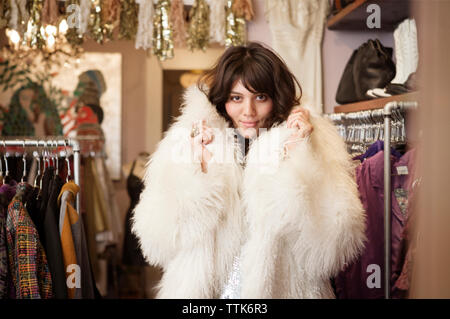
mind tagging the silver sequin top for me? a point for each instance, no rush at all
(232, 289)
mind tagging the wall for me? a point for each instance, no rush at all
(337, 48)
(431, 275)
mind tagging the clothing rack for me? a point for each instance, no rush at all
(383, 120)
(48, 143)
(387, 113)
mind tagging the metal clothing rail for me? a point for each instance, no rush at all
(387, 113)
(48, 143)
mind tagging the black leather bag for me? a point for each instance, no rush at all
(369, 67)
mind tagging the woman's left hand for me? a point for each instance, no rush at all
(299, 119)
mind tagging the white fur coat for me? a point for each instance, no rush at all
(295, 221)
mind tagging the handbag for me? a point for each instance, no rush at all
(370, 66)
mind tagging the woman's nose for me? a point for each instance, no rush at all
(249, 108)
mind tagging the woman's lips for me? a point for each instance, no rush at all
(249, 124)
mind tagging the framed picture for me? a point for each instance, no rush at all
(106, 67)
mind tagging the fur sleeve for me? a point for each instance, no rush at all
(180, 206)
(306, 209)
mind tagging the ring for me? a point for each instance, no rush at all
(195, 131)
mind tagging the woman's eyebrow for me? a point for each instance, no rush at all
(233, 92)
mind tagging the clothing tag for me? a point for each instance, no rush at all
(402, 199)
(402, 170)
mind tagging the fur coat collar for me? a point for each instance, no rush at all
(295, 222)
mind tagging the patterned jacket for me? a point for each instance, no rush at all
(27, 259)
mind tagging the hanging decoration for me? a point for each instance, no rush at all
(128, 19)
(162, 31)
(5, 11)
(243, 9)
(110, 16)
(156, 25)
(34, 36)
(19, 16)
(198, 31)
(111, 13)
(96, 29)
(76, 21)
(103, 19)
(234, 27)
(217, 20)
(145, 24)
(50, 12)
(177, 20)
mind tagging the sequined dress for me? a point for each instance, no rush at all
(232, 289)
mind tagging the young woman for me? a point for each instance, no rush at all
(249, 195)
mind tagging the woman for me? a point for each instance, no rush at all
(273, 219)
(31, 113)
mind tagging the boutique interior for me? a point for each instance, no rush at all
(111, 86)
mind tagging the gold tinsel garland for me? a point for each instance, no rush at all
(162, 31)
(101, 20)
(198, 30)
(234, 27)
(168, 29)
(35, 37)
(128, 19)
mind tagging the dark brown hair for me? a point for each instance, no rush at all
(261, 71)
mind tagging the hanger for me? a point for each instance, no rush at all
(56, 158)
(38, 158)
(7, 178)
(69, 173)
(1, 167)
(24, 160)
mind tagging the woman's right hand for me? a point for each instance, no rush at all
(201, 135)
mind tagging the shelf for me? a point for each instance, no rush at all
(354, 16)
(375, 103)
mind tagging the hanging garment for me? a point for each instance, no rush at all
(41, 202)
(132, 254)
(297, 32)
(112, 208)
(403, 192)
(76, 236)
(7, 192)
(363, 279)
(67, 218)
(52, 239)
(27, 259)
(3, 250)
(375, 148)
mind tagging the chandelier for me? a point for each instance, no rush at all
(46, 45)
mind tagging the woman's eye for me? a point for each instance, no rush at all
(235, 98)
(261, 97)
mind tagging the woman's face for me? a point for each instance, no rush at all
(248, 110)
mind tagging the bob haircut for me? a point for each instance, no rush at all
(261, 71)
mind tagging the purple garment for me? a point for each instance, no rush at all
(351, 283)
(374, 149)
(9, 190)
